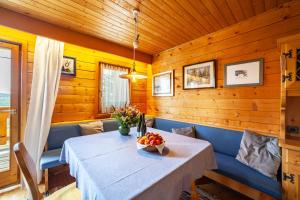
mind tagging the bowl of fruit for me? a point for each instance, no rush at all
(151, 142)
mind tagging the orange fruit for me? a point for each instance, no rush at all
(158, 142)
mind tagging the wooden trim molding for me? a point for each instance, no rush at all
(23, 104)
(98, 78)
(35, 26)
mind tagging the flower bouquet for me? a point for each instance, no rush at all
(126, 117)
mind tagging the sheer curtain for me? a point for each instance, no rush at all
(115, 90)
(48, 60)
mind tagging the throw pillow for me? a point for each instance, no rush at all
(188, 131)
(149, 121)
(262, 153)
(91, 127)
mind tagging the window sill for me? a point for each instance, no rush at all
(102, 115)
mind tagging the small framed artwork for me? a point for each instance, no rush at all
(69, 66)
(199, 75)
(246, 73)
(163, 84)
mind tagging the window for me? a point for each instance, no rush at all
(115, 90)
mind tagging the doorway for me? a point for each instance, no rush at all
(9, 111)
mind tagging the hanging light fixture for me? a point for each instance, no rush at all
(133, 74)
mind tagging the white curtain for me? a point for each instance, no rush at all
(115, 90)
(48, 59)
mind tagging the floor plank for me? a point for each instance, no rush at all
(219, 191)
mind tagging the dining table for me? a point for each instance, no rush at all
(108, 166)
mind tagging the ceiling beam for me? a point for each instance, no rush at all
(38, 27)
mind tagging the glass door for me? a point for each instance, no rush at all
(9, 117)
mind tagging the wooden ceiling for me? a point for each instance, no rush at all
(163, 23)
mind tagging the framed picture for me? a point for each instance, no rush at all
(162, 84)
(199, 75)
(246, 73)
(69, 66)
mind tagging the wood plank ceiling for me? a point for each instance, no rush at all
(163, 23)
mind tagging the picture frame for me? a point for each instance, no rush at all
(163, 84)
(69, 66)
(244, 73)
(199, 75)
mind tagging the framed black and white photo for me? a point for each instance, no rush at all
(69, 66)
(246, 73)
(162, 84)
(199, 75)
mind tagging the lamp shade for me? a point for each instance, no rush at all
(133, 75)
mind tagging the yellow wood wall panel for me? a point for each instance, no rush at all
(237, 108)
(77, 96)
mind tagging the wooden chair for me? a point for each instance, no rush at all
(28, 167)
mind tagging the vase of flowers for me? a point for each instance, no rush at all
(126, 117)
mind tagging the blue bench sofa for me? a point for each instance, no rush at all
(57, 136)
(226, 144)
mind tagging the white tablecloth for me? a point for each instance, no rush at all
(109, 166)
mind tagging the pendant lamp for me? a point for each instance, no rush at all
(133, 74)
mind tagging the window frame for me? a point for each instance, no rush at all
(98, 97)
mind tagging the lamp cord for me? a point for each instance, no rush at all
(136, 39)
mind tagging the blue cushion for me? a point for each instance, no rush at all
(50, 159)
(110, 125)
(59, 133)
(167, 125)
(223, 141)
(230, 167)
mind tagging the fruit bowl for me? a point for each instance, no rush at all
(151, 142)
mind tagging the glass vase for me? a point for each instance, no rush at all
(124, 130)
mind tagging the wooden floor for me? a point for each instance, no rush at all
(218, 191)
(17, 194)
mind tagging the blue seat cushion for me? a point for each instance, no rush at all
(167, 125)
(230, 167)
(59, 133)
(223, 141)
(110, 125)
(50, 159)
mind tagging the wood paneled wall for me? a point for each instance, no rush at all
(238, 108)
(77, 96)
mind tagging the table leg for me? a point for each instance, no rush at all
(46, 181)
(194, 191)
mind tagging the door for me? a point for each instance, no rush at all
(9, 115)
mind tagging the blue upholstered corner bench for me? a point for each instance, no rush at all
(57, 136)
(226, 144)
